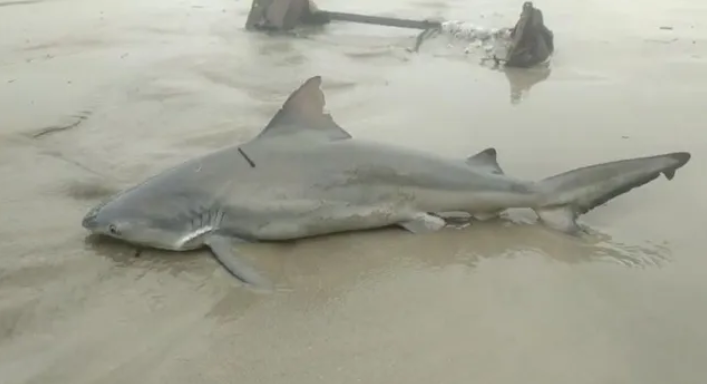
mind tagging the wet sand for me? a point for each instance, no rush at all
(97, 95)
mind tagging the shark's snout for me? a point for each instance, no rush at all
(90, 220)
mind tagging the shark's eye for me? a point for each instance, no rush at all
(113, 229)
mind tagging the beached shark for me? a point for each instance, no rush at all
(304, 175)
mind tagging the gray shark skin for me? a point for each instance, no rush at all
(304, 176)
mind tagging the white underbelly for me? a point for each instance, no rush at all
(350, 210)
(473, 202)
(331, 218)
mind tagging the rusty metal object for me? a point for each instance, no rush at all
(532, 42)
(380, 20)
(286, 14)
(281, 15)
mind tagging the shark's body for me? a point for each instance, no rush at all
(305, 176)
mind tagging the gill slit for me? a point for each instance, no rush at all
(252, 164)
(205, 222)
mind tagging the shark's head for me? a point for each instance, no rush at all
(132, 223)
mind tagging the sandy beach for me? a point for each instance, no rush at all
(97, 95)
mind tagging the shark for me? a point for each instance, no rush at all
(303, 175)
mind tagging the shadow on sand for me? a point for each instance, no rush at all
(366, 252)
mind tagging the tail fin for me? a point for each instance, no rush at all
(570, 194)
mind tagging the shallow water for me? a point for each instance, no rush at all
(97, 95)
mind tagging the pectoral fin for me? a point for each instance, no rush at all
(222, 250)
(423, 222)
(454, 216)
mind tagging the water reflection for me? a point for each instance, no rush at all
(487, 50)
(521, 80)
(340, 262)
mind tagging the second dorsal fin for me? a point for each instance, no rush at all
(303, 113)
(485, 160)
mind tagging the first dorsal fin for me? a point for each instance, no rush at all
(303, 112)
(486, 160)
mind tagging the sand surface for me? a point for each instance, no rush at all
(96, 95)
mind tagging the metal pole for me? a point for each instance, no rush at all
(380, 20)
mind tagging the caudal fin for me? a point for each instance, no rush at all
(568, 195)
